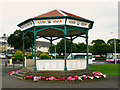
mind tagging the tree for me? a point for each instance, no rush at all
(15, 40)
(99, 47)
(81, 48)
(52, 49)
(60, 46)
(76, 48)
(110, 43)
(98, 41)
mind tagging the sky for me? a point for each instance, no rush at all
(103, 13)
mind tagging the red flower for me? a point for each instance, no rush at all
(76, 78)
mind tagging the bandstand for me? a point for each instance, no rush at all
(52, 26)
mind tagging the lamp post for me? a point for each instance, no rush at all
(114, 50)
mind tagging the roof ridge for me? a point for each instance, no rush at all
(73, 14)
(61, 12)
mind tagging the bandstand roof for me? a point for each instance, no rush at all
(54, 22)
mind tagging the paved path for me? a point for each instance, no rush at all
(11, 82)
(100, 62)
(8, 65)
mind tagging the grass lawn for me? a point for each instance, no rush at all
(109, 69)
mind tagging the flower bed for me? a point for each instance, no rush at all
(95, 75)
(11, 73)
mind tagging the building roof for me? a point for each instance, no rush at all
(42, 44)
(59, 19)
(57, 12)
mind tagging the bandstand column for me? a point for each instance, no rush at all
(71, 47)
(65, 67)
(87, 48)
(32, 46)
(23, 49)
(51, 46)
(35, 49)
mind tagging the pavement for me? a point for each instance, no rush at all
(12, 82)
(100, 62)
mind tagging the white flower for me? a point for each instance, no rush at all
(97, 76)
(91, 77)
(104, 76)
(79, 78)
(84, 75)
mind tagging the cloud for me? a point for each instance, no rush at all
(103, 14)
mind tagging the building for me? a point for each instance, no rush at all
(3, 44)
(42, 46)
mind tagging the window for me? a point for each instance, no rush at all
(79, 57)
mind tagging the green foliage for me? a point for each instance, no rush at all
(2, 51)
(77, 48)
(44, 56)
(13, 58)
(99, 47)
(52, 49)
(21, 67)
(100, 58)
(98, 41)
(110, 43)
(108, 69)
(59, 57)
(60, 46)
(17, 37)
(18, 55)
(29, 56)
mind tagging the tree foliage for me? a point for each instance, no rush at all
(15, 40)
(29, 56)
(99, 47)
(98, 41)
(77, 48)
(110, 43)
(80, 48)
(60, 46)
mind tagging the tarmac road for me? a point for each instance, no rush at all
(11, 82)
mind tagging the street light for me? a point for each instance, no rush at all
(114, 49)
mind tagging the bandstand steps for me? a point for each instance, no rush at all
(18, 77)
(22, 72)
(18, 74)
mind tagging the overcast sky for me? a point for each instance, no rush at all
(104, 15)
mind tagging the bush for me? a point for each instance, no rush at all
(13, 58)
(29, 56)
(100, 58)
(18, 55)
(60, 57)
(44, 56)
(21, 67)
